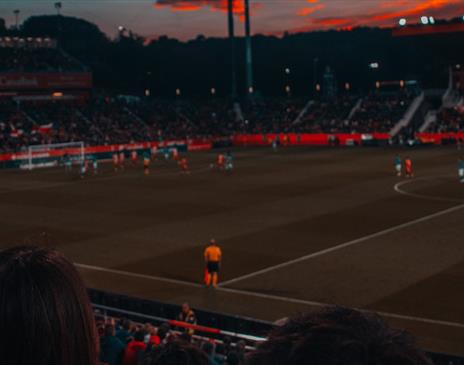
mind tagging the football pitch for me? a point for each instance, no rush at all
(299, 228)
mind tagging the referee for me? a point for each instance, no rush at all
(213, 256)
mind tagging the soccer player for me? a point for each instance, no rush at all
(461, 170)
(134, 157)
(67, 163)
(183, 163)
(175, 154)
(146, 163)
(95, 165)
(408, 167)
(213, 258)
(220, 161)
(115, 161)
(229, 161)
(84, 168)
(398, 165)
(122, 157)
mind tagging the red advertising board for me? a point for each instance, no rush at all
(45, 81)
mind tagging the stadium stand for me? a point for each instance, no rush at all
(448, 120)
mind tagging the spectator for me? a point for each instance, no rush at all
(111, 348)
(135, 349)
(232, 359)
(177, 353)
(338, 336)
(45, 313)
(209, 350)
(187, 315)
(163, 332)
(124, 333)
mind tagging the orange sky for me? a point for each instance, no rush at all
(186, 19)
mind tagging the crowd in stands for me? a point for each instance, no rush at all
(103, 121)
(14, 59)
(47, 319)
(379, 113)
(327, 116)
(449, 120)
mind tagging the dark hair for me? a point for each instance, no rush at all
(338, 336)
(109, 330)
(45, 313)
(163, 330)
(139, 336)
(178, 353)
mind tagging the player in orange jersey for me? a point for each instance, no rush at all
(213, 258)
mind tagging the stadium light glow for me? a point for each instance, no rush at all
(424, 20)
(347, 86)
(318, 87)
(57, 94)
(374, 65)
(147, 92)
(402, 22)
(288, 89)
(178, 92)
(431, 20)
(287, 71)
(213, 91)
(402, 83)
(377, 84)
(251, 90)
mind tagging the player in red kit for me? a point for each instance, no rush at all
(408, 167)
(115, 161)
(134, 157)
(183, 163)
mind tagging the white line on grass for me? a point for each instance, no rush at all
(140, 276)
(398, 189)
(266, 296)
(342, 246)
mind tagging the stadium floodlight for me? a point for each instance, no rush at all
(424, 20)
(402, 22)
(374, 65)
(288, 89)
(431, 20)
(287, 71)
(347, 86)
(213, 91)
(251, 90)
(178, 92)
(147, 92)
(121, 28)
(318, 87)
(16, 13)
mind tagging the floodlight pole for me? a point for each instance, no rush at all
(16, 13)
(249, 54)
(230, 11)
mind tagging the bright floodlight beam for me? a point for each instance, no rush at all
(249, 54)
(230, 13)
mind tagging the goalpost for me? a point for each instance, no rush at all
(55, 154)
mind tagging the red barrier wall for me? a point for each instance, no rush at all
(437, 138)
(45, 81)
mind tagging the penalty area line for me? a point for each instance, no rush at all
(342, 245)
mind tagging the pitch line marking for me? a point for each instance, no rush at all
(267, 296)
(140, 276)
(398, 189)
(343, 245)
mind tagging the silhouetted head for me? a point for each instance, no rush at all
(338, 336)
(45, 313)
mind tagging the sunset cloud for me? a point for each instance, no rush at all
(385, 14)
(196, 5)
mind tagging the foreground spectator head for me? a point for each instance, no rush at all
(338, 337)
(178, 353)
(45, 313)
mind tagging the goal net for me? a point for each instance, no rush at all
(56, 154)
